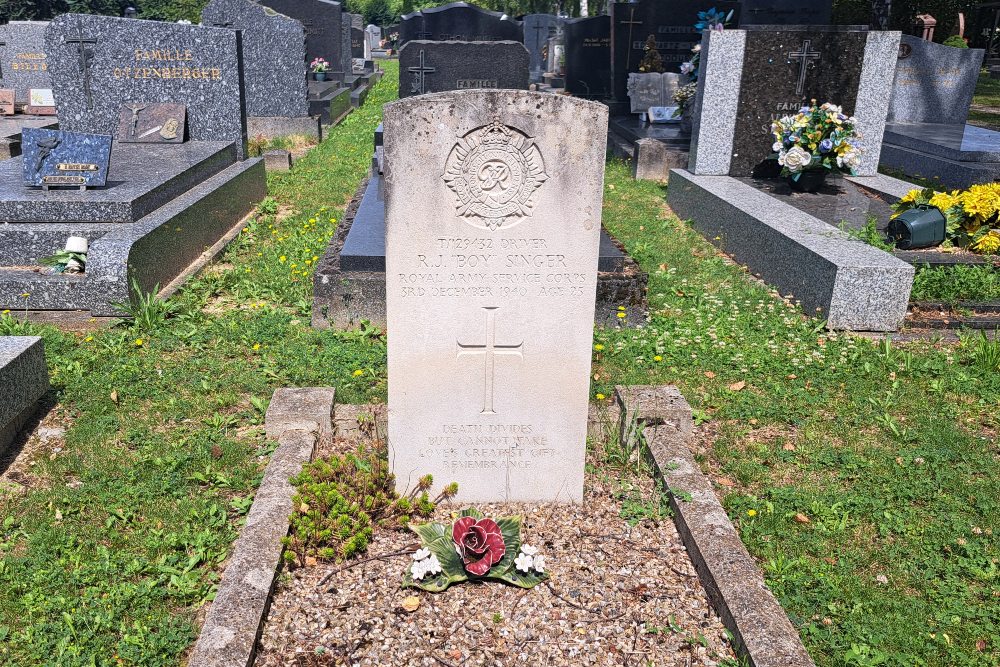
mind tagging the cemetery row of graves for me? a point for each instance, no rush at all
(304, 359)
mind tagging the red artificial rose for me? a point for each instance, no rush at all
(479, 543)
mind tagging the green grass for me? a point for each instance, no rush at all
(987, 94)
(959, 283)
(888, 451)
(107, 558)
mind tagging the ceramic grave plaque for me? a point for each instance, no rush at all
(151, 123)
(41, 102)
(54, 158)
(432, 67)
(6, 101)
(492, 232)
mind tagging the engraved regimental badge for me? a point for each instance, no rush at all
(494, 172)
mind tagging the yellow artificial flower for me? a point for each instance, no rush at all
(943, 200)
(909, 197)
(989, 243)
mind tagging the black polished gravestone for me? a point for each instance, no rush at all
(588, 57)
(786, 12)
(783, 69)
(357, 43)
(672, 25)
(23, 63)
(274, 67)
(99, 64)
(459, 21)
(322, 21)
(434, 67)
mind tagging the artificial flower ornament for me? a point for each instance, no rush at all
(815, 138)
(479, 543)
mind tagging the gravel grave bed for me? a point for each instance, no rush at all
(620, 594)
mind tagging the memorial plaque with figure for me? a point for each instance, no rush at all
(54, 158)
(140, 122)
(492, 232)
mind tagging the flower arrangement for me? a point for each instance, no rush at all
(817, 137)
(473, 547)
(972, 216)
(319, 65)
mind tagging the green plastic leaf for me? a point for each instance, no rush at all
(522, 579)
(471, 511)
(437, 538)
(510, 528)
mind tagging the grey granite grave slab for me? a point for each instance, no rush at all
(24, 379)
(274, 56)
(933, 83)
(10, 132)
(187, 230)
(954, 155)
(851, 284)
(538, 28)
(23, 61)
(323, 22)
(130, 60)
(432, 66)
(719, 82)
(142, 178)
(56, 158)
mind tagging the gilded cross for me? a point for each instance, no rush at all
(490, 349)
(420, 75)
(631, 23)
(803, 56)
(81, 46)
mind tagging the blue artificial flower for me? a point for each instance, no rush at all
(825, 146)
(804, 110)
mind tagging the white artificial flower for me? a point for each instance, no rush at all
(850, 159)
(433, 565)
(524, 562)
(539, 564)
(531, 551)
(421, 554)
(696, 48)
(796, 159)
(777, 147)
(781, 157)
(686, 68)
(418, 569)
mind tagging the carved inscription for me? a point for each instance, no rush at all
(494, 171)
(488, 446)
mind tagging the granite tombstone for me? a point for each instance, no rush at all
(322, 21)
(23, 61)
(751, 77)
(274, 56)
(651, 90)
(933, 83)
(426, 66)
(459, 21)
(492, 231)
(101, 63)
(357, 43)
(588, 57)
(786, 12)
(671, 23)
(54, 158)
(538, 28)
(151, 123)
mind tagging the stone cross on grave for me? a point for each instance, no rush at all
(490, 350)
(631, 23)
(81, 45)
(803, 56)
(419, 75)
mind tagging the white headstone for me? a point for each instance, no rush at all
(492, 233)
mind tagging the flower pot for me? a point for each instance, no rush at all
(808, 181)
(319, 76)
(920, 227)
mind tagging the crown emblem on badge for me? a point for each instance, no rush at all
(494, 171)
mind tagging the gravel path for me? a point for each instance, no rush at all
(619, 595)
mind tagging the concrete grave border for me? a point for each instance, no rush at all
(735, 585)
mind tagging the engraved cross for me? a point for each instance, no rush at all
(81, 45)
(803, 56)
(490, 349)
(421, 72)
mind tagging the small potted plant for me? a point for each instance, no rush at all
(319, 68)
(814, 142)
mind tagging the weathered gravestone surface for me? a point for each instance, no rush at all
(492, 231)
(322, 21)
(99, 64)
(274, 67)
(934, 83)
(786, 12)
(23, 61)
(538, 28)
(764, 74)
(588, 57)
(672, 24)
(55, 158)
(651, 90)
(459, 21)
(432, 67)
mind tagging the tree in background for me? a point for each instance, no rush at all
(379, 12)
